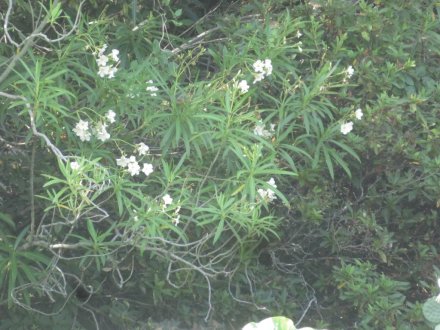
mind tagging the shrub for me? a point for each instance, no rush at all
(155, 159)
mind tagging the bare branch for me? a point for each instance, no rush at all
(30, 40)
(5, 25)
(28, 43)
(54, 149)
(196, 40)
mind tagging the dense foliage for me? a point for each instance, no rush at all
(218, 162)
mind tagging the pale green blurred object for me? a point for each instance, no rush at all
(274, 323)
(431, 310)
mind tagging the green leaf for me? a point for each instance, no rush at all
(329, 163)
(365, 35)
(340, 162)
(55, 12)
(20, 237)
(219, 230)
(92, 230)
(347, 149)
(7, 219)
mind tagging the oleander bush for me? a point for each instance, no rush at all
(174, 164)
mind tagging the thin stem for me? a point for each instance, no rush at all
(31, 183)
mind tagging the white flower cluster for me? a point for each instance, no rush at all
(268, 195)
(262, 69)
(84, 132)
(101, 132)
(348, 127)
(107, 63)
(242, 86)
(74, 166)
(260, 130)
(131, 164)
(358, 114)
(110, 116)
(349, 71)
(151, 89)
(167, 200)
(142, 149)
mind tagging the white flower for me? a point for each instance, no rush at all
(152, 89)
(142, 148)
(110, 116)
(272, 182)
(260, 130)
(107, 65)
(103, 71)
(298, 34)
(268, 194)
(258, 66)
(167, 200)
(123, 161)
(258, 77)
(262, 69)
(147, 169)
(176, 220)
(101, 132)
(111, 71)
(130, 163)
(268, 67)
(346, 127)
(262, 193)
(82, 130)
(114, 55)
(74, 166)
(135, 218)
(102, 60)
(133, 168)
(349, 71)
(243, 86)
(82, 125)
(102, 50)
(271, 195)
(359, 114)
